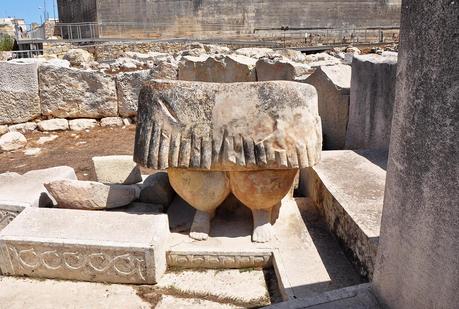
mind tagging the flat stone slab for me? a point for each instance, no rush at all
(82, 245)
(245, 288)
(119, 169)
(348, 189)
(295, 253)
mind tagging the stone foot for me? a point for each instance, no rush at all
(201, 225)
(262, 228)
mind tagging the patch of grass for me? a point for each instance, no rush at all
(6, 43)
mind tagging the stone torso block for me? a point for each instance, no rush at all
(85, 245)
(235, 126)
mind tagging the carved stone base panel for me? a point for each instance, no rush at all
(112, 247)
(261, 259)
(6, 216)
(77, 262)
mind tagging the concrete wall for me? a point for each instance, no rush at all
(187, 17)
(418, 264)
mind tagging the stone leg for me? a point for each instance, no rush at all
(260, 191)
(203, 190)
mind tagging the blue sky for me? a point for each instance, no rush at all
(27, 9)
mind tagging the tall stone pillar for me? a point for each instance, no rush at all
(418, 258)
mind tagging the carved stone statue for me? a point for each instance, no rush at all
(246, 138)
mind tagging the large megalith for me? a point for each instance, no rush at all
(372, 101)
(418, 264)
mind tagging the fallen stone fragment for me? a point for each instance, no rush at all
(28, 189)
(290, 54)
(116, 170)
(127, 121)
(53, 125)
(77, 57)
(111, 122)
(32, 151)
(156, 189)
(23, 127)
(82, 124)
(19, 100)
(45, 139)
(12, 141)
(91, 195)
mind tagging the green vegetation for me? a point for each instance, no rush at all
(6, 43)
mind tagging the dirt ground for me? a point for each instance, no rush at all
(71, 148)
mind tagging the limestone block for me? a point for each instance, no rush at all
(73, 93)
(281, 69)
(156, 189)
(111, 122)
(273, 125)
(85, 246)
(128, 88)
(20, 191)
(19, 100)
(321, 59)
(23, 127)
(371, 102)
(77, 57)
(290, 54)
(12, 141)
(333, 85)
(53, 125)
(91, 195)
(352, 213)
(82, 124)
(116, 170)
(228, 69)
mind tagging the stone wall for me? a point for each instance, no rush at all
(157, 18)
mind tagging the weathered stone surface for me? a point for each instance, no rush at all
(3, 129)
(12, 141)
(116, 170)
(321, 59)
(333, 85)
(82, 124)
(281, 69)
(23, 127)
(91, 195)
(128, 87)
(85, 245)
(418, 263)
(255, 52)
(19, 100)
(53, 125)
(156, 189)
(28, 190)
(228, 126)
(290, 54)
(77, 57)
(41, 293)
(371, 101)
(228, 69)
(247, 289)
(352, 213)
(73, 93)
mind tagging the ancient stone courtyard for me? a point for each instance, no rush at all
(195, 174)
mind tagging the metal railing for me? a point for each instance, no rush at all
(93, 31)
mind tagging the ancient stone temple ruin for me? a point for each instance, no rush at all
(186, 174)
